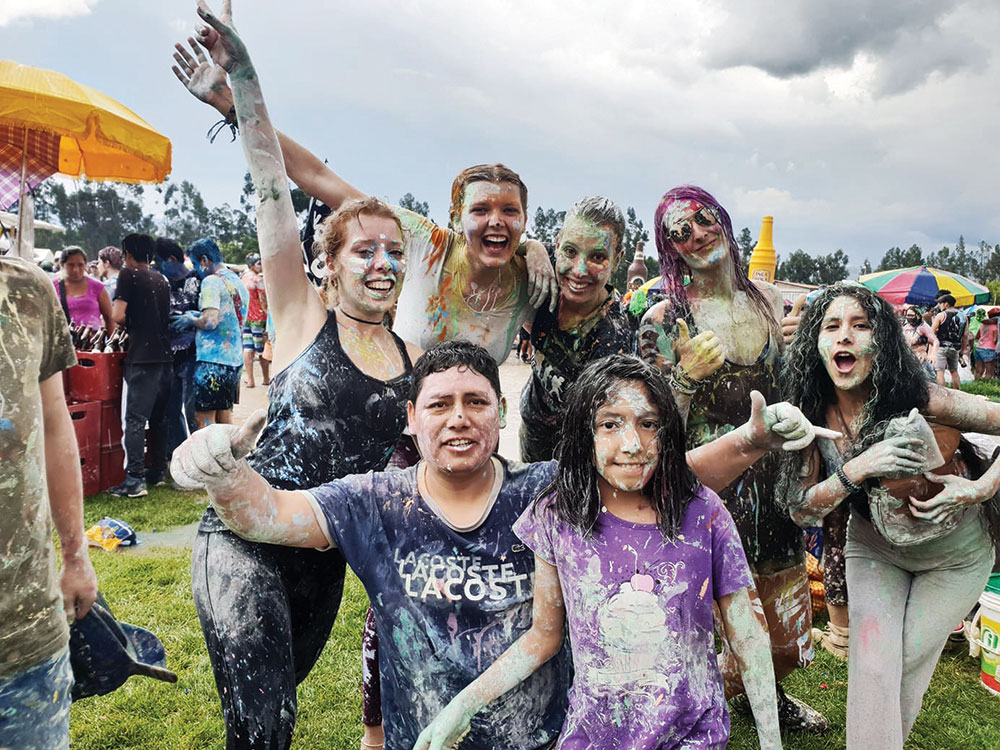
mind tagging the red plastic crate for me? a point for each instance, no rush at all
(112, 466)
(96, 377)
(111, 424)
(86, 419)
(90, 469)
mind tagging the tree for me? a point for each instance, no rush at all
(830, 268)
(800, 268)
(896, 258)
(412, 204)
(746, 243)
(866, 267)
(634, 234)
(95, 215)
(546, 225)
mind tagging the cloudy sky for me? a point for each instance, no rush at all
(859, 125)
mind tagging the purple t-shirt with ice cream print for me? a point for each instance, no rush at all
(640, 619)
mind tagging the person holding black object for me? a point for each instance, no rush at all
(142, 305)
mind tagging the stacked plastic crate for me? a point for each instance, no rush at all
(93, 396)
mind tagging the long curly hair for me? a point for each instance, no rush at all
(577, 497)
(897, 381)
(674, 269)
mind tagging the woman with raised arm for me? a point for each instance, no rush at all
(475, 281)
(920, 545)
(337, 407)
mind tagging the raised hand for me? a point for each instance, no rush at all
(781, 425)
(206, 81)
(790, 323)
(220, 38)
(211, 457)
(699, 356)
(542, 282)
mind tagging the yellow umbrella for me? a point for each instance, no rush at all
(54, 124)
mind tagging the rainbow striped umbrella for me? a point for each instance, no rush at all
(918, 285)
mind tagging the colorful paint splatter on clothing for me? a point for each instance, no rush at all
(639, 610)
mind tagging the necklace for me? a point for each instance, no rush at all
(359, 320)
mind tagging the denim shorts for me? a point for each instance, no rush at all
(34, 705)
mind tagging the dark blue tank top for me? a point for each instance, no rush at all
(327, 418)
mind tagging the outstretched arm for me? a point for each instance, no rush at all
(516, 664)
(208, 82)
(214, 458)
(298, 314)
(778, 426)
(743, 618)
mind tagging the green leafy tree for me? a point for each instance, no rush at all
(831, 268)
(95, 214)
(746, 242)
(866, 267)
(800, 268)
(896, 258)
(412, 204)
(546, 225)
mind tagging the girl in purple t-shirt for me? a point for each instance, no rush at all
(632, 553)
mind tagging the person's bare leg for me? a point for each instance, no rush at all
(204, 418)
(248, 367)
(955, 382)
(939, 377)
(990, 370)
(223, 416)
(265, 371)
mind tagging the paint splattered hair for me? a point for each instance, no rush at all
(482, 173)
(577, 498)
(206, 247)
(602, 212)
(332, 232)
(674, 269)
(447, 354)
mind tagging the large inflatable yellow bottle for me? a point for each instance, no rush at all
(763, 261)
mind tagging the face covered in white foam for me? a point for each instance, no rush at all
(846, 343)
(626, 437)
(369, 267)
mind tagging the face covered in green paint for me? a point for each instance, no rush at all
(626, 438)
(695, 233)
(584, 260)
(845, 343)
(492, 222)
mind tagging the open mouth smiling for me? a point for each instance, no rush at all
(495, 242)
(844, 362)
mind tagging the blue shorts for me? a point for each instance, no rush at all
(984, 355)
(254, 335)
(216, 387)
(34, 705)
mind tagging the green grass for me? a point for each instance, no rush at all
(989, 388)
(159, 510)
(153, 590)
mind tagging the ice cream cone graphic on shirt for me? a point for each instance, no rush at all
(633, 629)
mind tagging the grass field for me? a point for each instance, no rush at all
(151, 587)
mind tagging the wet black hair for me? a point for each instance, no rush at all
(577, 498)
(139, 246)
(447, 354)
(167, 248)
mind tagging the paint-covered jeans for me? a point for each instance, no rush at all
(834, 540)
(904, 602)
(34, 706)
(784, 594)
(266, 612)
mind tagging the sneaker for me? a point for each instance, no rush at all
(131, 487)
(155, 478)
(797, 716)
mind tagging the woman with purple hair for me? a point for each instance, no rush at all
(735, 350)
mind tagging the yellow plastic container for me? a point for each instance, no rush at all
(763, 260)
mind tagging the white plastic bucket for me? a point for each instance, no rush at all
(989, 624)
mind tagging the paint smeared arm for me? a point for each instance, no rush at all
(743, 619)
(77, 579)
(778, 426)
(296, 310)
(542, 282)
(516, 664)
(214, 458)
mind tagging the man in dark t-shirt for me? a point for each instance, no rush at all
(142, 305)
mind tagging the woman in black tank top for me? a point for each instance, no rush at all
(337, 406)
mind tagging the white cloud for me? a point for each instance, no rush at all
(19, 10)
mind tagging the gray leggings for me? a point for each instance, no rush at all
(904, 602)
